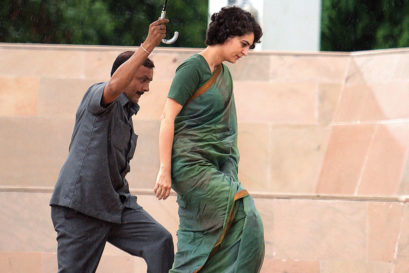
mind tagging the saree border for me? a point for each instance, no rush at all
(239, 195)
(205, 86)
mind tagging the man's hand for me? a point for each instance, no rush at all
(157, 31)
(163, 185)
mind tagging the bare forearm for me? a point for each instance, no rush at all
(123, 75)
(163, 180)
(165, 144)
(167, 129)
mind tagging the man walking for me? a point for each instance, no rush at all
(91, 203)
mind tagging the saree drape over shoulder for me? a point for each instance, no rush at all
(220, 229)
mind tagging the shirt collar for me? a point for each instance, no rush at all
(128, 105)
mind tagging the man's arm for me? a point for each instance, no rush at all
(123, 75)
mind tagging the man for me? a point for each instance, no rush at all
(91, 203)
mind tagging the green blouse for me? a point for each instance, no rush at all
(190, 75)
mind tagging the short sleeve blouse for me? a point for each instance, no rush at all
(190, 75)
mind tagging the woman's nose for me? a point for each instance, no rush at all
(245, 51)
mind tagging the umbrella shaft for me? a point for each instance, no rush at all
(164, 5)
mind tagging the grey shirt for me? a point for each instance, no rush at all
(92, 180)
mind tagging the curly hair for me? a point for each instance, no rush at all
(231, 22)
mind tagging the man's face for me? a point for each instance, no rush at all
(139, 84)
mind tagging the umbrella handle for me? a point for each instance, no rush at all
(175, 35)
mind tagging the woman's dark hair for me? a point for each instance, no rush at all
(231, 22)
(123, 57)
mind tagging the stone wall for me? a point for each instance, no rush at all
(323, 137)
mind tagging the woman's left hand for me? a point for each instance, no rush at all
(163, 185)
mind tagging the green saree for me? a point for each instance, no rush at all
(220, 229)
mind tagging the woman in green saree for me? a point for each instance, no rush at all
(220, 229)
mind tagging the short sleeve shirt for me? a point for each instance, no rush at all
(92, 180)
(190, 76)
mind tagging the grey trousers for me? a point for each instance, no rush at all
(81, 240)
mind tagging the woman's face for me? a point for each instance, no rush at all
(237, 47)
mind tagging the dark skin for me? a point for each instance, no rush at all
(132, 78)
(139, 84)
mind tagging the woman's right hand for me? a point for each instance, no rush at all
(163, 184)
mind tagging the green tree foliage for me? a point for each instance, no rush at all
(71, 21)
(350, 25)
(133, 18)
(103, 22)
(347, 25)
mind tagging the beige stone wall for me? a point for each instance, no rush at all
(324, 142)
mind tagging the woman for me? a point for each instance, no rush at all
(220, 229)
